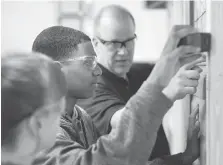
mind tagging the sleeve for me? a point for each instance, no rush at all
(168, 160)
(101, 107)
(129, 143)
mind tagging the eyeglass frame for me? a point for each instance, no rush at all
(123, 43)
(82, 58)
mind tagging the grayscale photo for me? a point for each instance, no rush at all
(107, 82)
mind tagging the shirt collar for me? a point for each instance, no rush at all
(111, 76)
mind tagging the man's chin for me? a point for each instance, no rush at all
(83, 94)
(121, 71)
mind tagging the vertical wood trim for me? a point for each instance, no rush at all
(215, 88)
(179, 13)
(191, 8)
(203, 25)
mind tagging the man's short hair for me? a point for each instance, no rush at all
(58, 42)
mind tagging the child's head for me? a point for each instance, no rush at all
(33, 93)
(74, 51)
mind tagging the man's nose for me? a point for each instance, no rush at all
(122, 50)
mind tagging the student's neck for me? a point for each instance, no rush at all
(70, 103)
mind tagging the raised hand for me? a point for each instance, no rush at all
(185, 81)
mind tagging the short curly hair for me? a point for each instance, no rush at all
(58, 42)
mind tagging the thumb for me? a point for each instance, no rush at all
(194, 63)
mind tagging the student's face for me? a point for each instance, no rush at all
(114, 56)
(82, 71)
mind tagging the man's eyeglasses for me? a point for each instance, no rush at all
(113, 45)
(88, 61)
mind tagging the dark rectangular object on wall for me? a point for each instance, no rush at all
(155, 4)
(202, 40)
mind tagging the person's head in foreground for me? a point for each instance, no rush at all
(33, 91)
(74, 51)
(114, 39)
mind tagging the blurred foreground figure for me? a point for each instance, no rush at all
(32, 87)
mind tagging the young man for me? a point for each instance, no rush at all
(130, 141)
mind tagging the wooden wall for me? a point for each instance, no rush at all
(214, 130)
(207, 17)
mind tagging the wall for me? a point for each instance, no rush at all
(202, 23)
(23, 21)
(215, 87)
(208, 17)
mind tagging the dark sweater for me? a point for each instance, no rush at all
(111, 94)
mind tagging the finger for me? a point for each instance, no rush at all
(193, 116)
(197, 128)
(176, 28)
(195, 112)
(186, 31)
(202, 64)
(190, 90)
(197, 117)
(189, 58)
(193, 63)
(190, 83)
(192, 74)
(197, 68)
(199, 135)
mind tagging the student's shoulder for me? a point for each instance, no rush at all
(88, 121)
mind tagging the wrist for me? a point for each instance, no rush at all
(168, 94)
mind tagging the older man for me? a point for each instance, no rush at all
(114, 43)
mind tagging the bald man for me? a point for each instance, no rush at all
(114, 43)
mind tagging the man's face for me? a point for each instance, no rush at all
(114, 44)
(81, 72)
